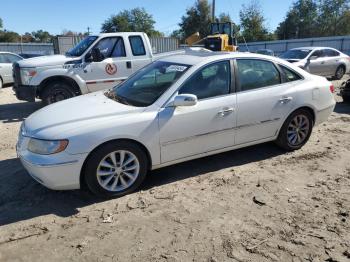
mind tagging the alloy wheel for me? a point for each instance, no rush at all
(298, 130)
(118, 170)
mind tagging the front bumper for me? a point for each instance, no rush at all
(26, 93)
(58, 172)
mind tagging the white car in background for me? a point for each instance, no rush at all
(173, 110)
(6, 61)
(323, 61)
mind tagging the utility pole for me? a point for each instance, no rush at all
(88, 32)
(213, 11)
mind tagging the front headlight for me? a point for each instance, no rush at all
(46, 147)
(27, 74)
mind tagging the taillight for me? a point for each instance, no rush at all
(331, 88)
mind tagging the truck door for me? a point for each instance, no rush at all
(114, 68)
(141, 55)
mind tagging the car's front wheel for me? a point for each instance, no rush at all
(116, 169)
(296, 130)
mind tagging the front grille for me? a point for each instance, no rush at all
(17, 74)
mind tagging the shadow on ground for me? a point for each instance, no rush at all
(22, 198)
(17, 112)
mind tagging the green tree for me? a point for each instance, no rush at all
(252, 22)
(1, 23)
(223, 17)
(333, 17)
(134, 20)
(42, 36)
(300, 21)
(196, 19)
(9, 36)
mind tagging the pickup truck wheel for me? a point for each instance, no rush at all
(56, 91)
(340, 72)
(296, 130)
(115, 169)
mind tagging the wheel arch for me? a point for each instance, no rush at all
(71, 82)
(142, 146)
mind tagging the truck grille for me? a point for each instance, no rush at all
(16, 74)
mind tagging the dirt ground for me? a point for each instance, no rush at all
(253, 204)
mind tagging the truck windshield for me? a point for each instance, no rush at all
(80, 48)
(296, 54)
(147, 85)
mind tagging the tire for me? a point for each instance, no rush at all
(1, 83)
(106, 178)
(286, 139)
(56, 91)
(340, 72)
(346, 98)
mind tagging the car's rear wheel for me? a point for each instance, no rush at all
(1, 83)
(340, 72)
(116, 169)
(56, 91)
(296, 130)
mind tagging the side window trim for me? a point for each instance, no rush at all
(238, 84)
(232, 79)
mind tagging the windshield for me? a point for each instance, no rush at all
(80, 48)
(148, 84)
(296, 54)
(221, 28)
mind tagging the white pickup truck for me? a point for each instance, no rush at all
(96, 63)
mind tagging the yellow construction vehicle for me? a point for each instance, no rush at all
(222, 38)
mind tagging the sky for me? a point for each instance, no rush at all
(76, 15)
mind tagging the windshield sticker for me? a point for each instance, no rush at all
(176, 68)
(111, 69)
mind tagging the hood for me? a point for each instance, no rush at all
(42, 61)
(75, 113)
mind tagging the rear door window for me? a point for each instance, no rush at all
(137, 46)
(331, 53)
(254, 73)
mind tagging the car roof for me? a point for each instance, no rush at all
(312, 48)
(197, 57)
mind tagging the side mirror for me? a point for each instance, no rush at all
(96, 55)
(314, 57)
(185, 100)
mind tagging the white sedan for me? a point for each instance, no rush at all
(173, 110)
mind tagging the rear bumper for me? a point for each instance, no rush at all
(26, 93)
(323, 114)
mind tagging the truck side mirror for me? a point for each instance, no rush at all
(96, 55)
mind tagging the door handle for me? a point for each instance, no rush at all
(128, 64)
(285, 100)
(226, 111)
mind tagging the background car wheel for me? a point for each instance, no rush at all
(340, 72)
(296, 130)
(1, 84)
(116, 169)
(55, 92)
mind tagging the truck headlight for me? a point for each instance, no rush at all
(46, 147)
(27, 74)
